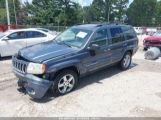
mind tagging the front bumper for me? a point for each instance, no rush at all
(152, 45)
(36, 87)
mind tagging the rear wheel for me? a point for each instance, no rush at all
(65, 82)
(126, 61)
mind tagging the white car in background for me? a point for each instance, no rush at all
(13, 40)
(139, 30)
(47, 31)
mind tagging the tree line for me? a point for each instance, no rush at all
(68, 12)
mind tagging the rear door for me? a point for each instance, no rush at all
(15, 42)
(131, 40)
(116, 44)
(35, 37)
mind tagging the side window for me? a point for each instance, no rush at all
(117, 35)
(17, 35)
(29, 34)
(34, 34)
(38, 34)
(129, 32)
(130, 35)
(100, 37)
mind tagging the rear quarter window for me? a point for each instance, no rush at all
(129, 33)
(38, 34)
(34, 34)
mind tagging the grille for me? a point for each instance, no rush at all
(19, 65)
(153, 42)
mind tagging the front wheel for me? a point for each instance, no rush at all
(126, 61)
(65, 82)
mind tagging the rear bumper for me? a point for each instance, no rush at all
(135, 50)
(36, 87)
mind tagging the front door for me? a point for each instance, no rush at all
(101, 56)
(15, 42)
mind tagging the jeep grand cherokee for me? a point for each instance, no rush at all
(78, 51)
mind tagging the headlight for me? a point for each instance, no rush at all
(35, 68)
(143, 41)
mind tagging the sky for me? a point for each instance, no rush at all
(82, 2)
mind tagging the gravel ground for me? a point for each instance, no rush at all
(107, 93)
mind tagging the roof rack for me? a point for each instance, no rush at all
(106, 23)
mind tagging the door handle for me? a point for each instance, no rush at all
(107, 50)
(125, 44)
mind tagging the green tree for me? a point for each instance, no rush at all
(158, 14)
(53, 12)
(3, 19)
(142, 12)
(106, 10)
(88, 14)
(120, 9)
(71, 12)
(2, 12)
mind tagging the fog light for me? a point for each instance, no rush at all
(43, 76)
(31, 91)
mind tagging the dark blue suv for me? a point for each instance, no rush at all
(78, 51)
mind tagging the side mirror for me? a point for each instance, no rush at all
(5, 39)
(94, 47)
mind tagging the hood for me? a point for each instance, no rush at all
(151, 38)
(45, 51)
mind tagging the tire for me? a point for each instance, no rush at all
(126, 61)
(145, 49)
(62, 85)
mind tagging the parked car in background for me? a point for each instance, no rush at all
(139, 30)
(78, 51)
(153, 41)
(150, 31)
(13, 40)
(48, 31)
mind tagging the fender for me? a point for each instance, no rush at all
(130, 48)
(56, 67)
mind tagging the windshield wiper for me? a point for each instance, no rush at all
(63, 43)
(67, 44)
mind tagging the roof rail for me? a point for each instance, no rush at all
(108, 23)
(99, 24)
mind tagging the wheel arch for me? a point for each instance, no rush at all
(130, 51)
(73, 68)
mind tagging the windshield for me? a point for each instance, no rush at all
(74, 37)
(5, 33)
(157, 33)
(1, 35)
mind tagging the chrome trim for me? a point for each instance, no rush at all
(19, 65)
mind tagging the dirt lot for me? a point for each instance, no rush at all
(107, 93)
